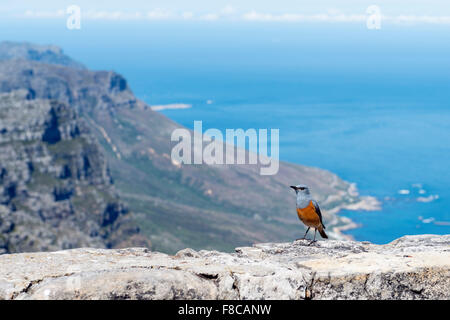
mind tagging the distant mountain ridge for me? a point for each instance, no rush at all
(178, 206)
(40, 53)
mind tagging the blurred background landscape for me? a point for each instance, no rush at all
(85, 160)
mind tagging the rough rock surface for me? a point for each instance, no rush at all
(412, 267)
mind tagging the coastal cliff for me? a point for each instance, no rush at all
(412, 267)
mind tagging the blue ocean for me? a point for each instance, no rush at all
(372, 106)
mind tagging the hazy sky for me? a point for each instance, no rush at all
(396, 6)
(420, 11)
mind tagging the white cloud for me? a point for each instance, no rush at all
(90, 15)
(335, 16)
(210, 17)
(158, 14)
(44, 14)
(111, 15)
(292, 17)
(420, 19)
(187, 15)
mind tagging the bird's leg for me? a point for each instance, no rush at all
(304, 237)
(314, 240)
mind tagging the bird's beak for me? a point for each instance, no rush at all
(294, 187)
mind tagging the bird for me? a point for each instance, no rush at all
(308, 212)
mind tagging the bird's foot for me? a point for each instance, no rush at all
(313, 241)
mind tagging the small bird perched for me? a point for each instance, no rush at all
(308, 211)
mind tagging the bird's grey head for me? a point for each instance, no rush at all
(301, 188)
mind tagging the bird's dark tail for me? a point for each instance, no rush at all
(322, 232)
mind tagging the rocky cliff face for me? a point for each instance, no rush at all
(55, 187)
(412, 267)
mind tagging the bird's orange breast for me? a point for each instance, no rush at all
(309, 216)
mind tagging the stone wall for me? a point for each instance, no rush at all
(412, 267)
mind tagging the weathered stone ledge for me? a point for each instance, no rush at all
(412, 267)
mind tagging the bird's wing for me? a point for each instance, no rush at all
(316, 206)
